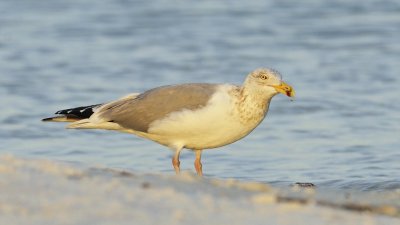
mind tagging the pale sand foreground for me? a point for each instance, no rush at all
(45, 192)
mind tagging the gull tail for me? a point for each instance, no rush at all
(78, 118)
(73, 114)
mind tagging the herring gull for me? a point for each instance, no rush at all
(194, 116)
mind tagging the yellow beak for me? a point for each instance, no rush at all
(285, 89)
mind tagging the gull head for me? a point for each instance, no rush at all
(268, 82)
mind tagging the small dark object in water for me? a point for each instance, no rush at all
(125, 174)
(145, 185)
(304, 185)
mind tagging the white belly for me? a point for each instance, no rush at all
(201, 133)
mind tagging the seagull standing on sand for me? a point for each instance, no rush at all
(195, 116)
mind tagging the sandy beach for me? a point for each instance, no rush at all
(47, 192)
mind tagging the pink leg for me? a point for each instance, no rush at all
(197, 163)
(175, 162)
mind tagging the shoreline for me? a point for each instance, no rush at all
(43, 191)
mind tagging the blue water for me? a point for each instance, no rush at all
(342, 57)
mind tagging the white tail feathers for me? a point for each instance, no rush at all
(81, 124)
(87, 124)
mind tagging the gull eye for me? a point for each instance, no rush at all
(264, 77)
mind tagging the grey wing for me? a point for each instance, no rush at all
(139, 112)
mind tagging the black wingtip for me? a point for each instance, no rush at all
(72, 114)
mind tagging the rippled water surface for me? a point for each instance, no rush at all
(342, 57)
